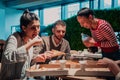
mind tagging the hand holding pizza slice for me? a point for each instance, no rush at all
(54, 53)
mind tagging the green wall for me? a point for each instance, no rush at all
(74, 30)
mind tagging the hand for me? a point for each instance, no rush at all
(40, 58)
(49, 54)
(114, 68)
(36, 41)
(105, 61)
(89, 42)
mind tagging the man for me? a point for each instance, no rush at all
(103, 35)
(56, 41)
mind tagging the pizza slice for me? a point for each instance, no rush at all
(57, 53)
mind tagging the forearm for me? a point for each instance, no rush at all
(114, 68)
(12, 53)
(109, 39)
(112, 65)
(28, 45)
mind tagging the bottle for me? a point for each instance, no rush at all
(84, 36)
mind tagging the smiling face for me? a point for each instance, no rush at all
(32, 29)
(85, 22)
(59, 31)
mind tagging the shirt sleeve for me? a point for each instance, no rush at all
(67, 51)
(68, 48)
(12, 53)
(108, 34)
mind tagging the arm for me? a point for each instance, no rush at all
(108, 37)
(118, 62)
(111, 65)
(67, 51)
(13, 53)
(89, 42)
(108, 34)
(66, 47)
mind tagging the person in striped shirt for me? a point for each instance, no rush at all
(103, 35)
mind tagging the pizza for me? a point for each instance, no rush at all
(57, 53)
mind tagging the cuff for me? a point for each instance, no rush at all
(97, 44)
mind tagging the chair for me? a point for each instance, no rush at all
(2, 43)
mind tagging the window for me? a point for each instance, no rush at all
(95, 4)
(51, 15)
(36, 12)
(85, 4)
(107, 3)
(118, 37)
(118, 2)
(73, 9)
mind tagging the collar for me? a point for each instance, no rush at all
(55, 42)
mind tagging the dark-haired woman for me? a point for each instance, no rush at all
(18, 52)
(103, 35)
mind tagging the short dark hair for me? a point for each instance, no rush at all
(85, 12)
(59, 22)
(27, 17)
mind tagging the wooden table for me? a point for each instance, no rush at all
(91, 70)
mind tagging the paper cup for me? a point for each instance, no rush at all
(62, 64)
(82, 64)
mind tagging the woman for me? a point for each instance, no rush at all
(18, 52)
(103, 35)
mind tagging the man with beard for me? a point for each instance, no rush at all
(56, 41)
